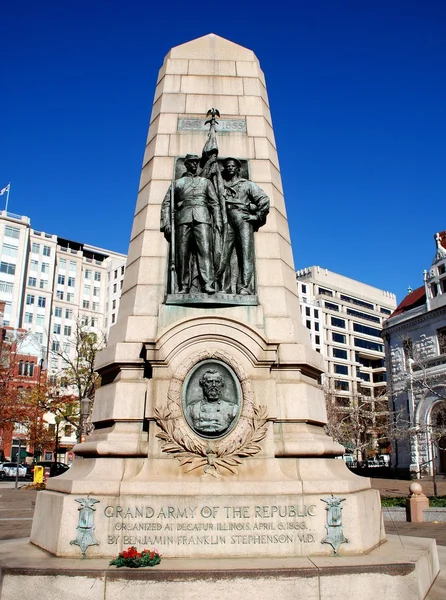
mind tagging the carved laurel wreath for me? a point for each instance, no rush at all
(213, 456)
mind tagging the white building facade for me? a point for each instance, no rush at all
(345, 317)
(49, 284)
(415, 340)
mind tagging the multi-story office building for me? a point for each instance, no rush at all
(49, 284)
(345, 319)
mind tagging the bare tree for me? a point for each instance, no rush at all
(76, 381)
(359, 422)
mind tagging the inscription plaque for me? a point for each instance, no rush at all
(223, 125)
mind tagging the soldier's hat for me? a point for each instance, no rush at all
(190, 157)
(236, 160)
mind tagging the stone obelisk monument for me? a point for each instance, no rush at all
(209, 433)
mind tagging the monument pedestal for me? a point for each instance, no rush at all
(400, 568)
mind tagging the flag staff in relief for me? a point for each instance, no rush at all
(5, 190)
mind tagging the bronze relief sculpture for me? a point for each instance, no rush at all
(209, 216)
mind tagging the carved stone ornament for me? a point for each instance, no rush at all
(198, 435)
(85, 526)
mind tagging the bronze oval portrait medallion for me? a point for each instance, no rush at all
(211, 399)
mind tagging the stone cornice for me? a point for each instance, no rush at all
(427, 316)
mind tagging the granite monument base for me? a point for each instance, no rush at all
(277, 508)
(400, 568)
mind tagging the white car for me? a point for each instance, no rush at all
(10, 470)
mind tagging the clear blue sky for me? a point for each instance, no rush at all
(358, 97)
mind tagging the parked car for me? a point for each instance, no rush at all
(10, 470)
(56, 468)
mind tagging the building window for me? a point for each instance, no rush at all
(96, 306)
(114, 288)
(67, 330)
(71, 282)
(29, 299)
(12, 232)
(339, 353)
(303, 287)
(43, 284)
(59, 295)
(316, 326)
(9, 250)
(96, 291)
(26, 368)
(332, 306)
(336, 322)
(116, 274)
(363, 376)
(385, 311)
(357, 302)
(58, 311)
(32, 281)
(70, 297)
(123, 269)
(55, 346)
(114, 305)
(61, 279)
(35, 248)
(62, 263)
(367, 330)
(45, 267)
(73, 265)
(316, 313)
(6, 286)
(68, 313)
(434, 290)
(338, 337)
(342, 385)
(94, 322)
(361, 315)
(85, 304)
(87, 273)
(56, 328)
(308, 324)
(441, 336)
(7, 268)
(40, 320)
(97, 276)
(113, 317)
(41, 301)
(28, 317)
(308, 311)
(341, 369)
(359, 343)
(325, 292)
(317, 339)
(46, 251)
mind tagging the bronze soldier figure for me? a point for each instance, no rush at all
(196, 212)
(246, 206)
